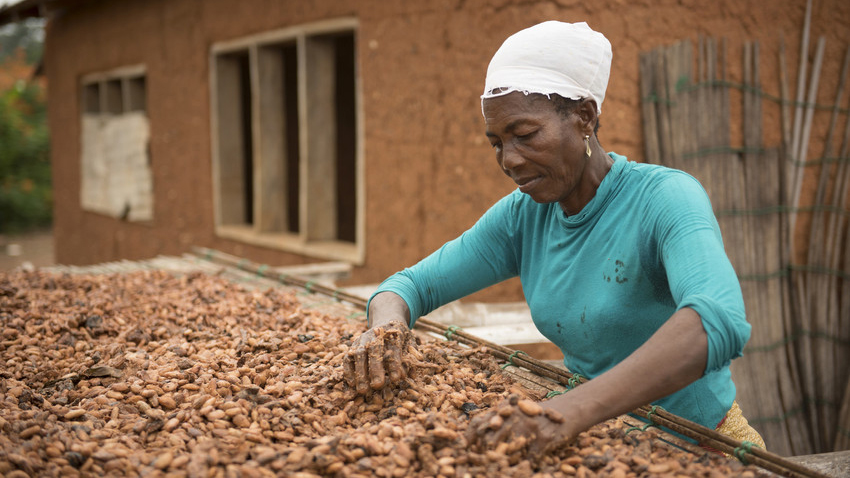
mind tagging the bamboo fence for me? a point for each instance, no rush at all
(793, 379)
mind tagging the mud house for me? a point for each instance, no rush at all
(297, 132)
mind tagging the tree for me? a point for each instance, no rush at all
(25, 186)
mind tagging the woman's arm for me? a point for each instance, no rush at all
(387, 307)
(671, 359)
(480, 257)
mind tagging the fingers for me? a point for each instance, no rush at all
(376, 359)
(393, 355)
(349, 373)
(478, 427)
(361, 370)
(490, 428)
(377, 378)
(516, 424)
(503, 430)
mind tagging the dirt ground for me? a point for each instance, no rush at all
(28, 249)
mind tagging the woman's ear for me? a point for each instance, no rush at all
(587, 112)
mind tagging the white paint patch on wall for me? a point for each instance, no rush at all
(116, 173)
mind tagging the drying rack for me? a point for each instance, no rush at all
(539, 376)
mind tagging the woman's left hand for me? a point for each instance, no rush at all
(522, 423)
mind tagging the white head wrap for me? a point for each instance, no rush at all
(568, 59)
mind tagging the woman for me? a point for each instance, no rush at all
(622, 264)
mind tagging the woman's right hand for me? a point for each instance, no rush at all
(374, 360)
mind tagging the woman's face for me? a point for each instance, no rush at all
(542, 150)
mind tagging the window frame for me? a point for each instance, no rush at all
(118, 94)
(311, 238)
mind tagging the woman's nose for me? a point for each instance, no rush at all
(510, 158)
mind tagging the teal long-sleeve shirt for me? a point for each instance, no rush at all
(601, 282)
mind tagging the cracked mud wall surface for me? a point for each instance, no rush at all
(430, 172)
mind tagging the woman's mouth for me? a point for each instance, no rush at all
(526, 184)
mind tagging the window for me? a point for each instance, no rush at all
(116, 177)
(286, 141)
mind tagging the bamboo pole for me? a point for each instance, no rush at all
(802, 154)
(771, 370)
(757, 227)
(831, 356)
(705, 123)
(819, 410)
(745, 371)
(793, 300)
(798, 115)
(842, 435)
(817, 281)
(683, 52)
(662, 89)
(649, 108)
(785, 108)
(756, 400)
(801, 281)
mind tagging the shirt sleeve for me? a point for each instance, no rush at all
(699, 272)
(482, 256)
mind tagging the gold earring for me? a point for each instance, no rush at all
(587, 144)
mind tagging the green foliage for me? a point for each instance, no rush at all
(25, 187)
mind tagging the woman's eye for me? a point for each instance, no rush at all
(526, 136)
(496, 146)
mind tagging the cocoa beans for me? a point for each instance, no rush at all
(154, 374)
